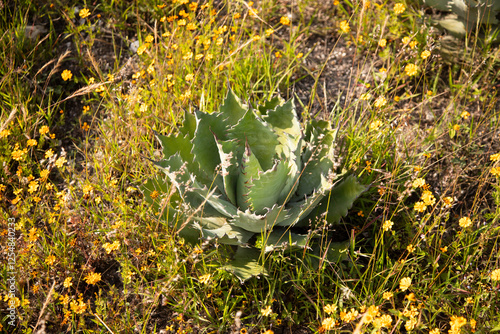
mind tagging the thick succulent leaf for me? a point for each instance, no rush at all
(265, 189)
(297, 211)
(282, 238)
(259, 223)
(286, 125)
(232, 109)
(317, 158)
(230, 153)
(249, 169)
(259, 136)
(204, 145)
(342, 196)
(189, 125)
(283, 120)
(224, 233)
(270, 105)
(246, 264)
(180, 144)
(176, 170)
(211, 197)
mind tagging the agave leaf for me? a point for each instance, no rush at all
(217, 228)
(297, 211)
(204, 145)
(259, 223)
(246, 264)
(222, 206)
(259, 136)
(265, 189)
(284, 121)
(249, 169)
(179, 144)
(230, 153)
(232, 109)
(269, 105)
(283, 238)
(176, 170)
(342, 196)
(318, 158)
(189, 125)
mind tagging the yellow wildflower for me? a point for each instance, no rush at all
(399, 8)
(84, 13)
(418, 183)
(92, 278)
(405, 283)
(67, 282)
(284, 20)
(348, 316)
(387, 225)
(425, 54)
(31, 142)
(142, 48)
(44, 130)
(330, 308)
(387, 295)
(60, 162)
(495, 171)
(49, 153)
(328, 324)
(465, 222)
(267, 311)
(382, 43)
(382, 321)
(344, 26)
(66, 75)
(495, 157)
(50, 260)
(411, 69)
(380, 102)
(428, 198)
(495, 275)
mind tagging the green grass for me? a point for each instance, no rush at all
(87, 215)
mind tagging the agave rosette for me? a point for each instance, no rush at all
(249, 177)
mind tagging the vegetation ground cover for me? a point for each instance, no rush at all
(84, 86)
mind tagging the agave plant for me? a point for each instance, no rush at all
(250, 178)
(466, 15)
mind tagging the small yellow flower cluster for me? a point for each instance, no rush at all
(344, 27)
(349, 316)
(411, 69)
(110, 247)
(465, 222)
(66, 75)
(92, 278)
(405, 283)
(284, 20)
(79, 306)
(399, 8)
(456, 323)
(205, 279)
(328, 324)
(495, 275)
(387, 225)
(84, 13)
(380, 102)
(425, 54)
(266, 311)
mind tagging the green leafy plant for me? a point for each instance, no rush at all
(252, 178)
(467, 15)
